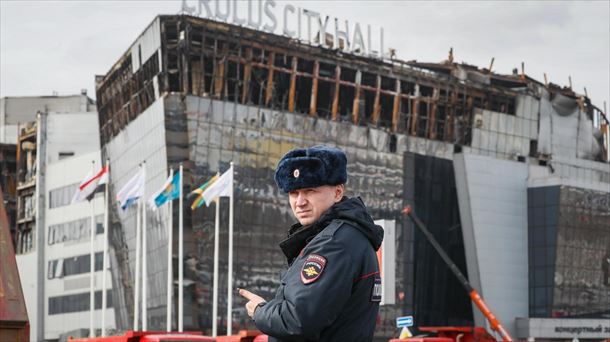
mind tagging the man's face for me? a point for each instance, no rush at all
(310, 203)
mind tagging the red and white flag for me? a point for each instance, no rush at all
(90, 184)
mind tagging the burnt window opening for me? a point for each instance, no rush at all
(404, 116)
(388, 83)
(425, 91)
(234, 84)
(348, 74)
(171, 32)
(266, 56)
(234, 46)
(369, 79)
(326, 91)
(366, 109)
(407, 87)
(478, 102)
(327, 70)
(302, 94)
(258, 81)
(512, 104)
(282, 61)
(462, 126)
(441, 120)
(422, 119)
(139, 55)
(257, 55)
(197, 36)
(386, 104)
(443, 95)
(173, 74)
(209, 42)
(346, 101)
(281, 90)
(305, 66)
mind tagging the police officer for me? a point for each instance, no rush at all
(332, 288)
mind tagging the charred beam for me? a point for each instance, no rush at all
(376, 107)
(356, 106)
(396, 107)
(314, 89)
(247, 76)
(335, 108)
(269, 88)
(293, 85)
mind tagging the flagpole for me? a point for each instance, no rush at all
(230, 271)
(215, 286)
(144, 258)
(168, 321)
(137, 272)
(91, 264)
(180, 259)
(105, 251)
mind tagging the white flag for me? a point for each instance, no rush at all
(132, 190)
(221, 187)
(90, 184)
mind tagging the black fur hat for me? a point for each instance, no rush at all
(310, 168)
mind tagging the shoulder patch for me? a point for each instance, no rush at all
(312, 268)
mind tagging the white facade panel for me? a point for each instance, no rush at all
(492, 196)
(75, 133)
(60, 174)
(146, 45)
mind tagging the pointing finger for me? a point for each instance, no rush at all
(247, 294)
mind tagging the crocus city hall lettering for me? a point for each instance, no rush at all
(298, 23)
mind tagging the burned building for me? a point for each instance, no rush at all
(438, 136)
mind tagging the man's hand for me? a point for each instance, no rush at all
(253, 301)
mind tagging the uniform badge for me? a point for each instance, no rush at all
(296, 173)
(376, 295)
(312, 268)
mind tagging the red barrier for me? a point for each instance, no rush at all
(424, 339)
(148, 336)
(243, 336)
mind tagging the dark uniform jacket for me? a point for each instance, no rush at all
(332, 288)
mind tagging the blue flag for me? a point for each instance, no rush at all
(170, 190)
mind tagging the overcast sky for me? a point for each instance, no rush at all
(48, 46)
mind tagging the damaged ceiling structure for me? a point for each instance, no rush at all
(437, 101)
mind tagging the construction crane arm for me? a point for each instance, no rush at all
(474, 295)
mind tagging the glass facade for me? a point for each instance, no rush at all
(62, 196)
(205, 136)
(78, 302)
(254, 139)
(74, 265)
(569, 252)
(434, 294)
(76, 230)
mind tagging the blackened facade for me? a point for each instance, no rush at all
(204, 94)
